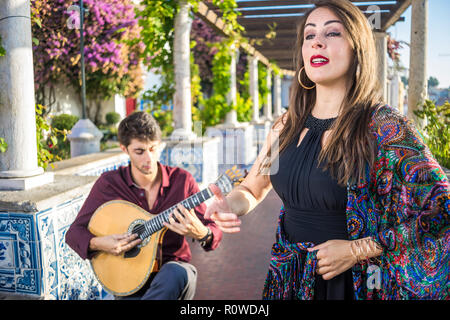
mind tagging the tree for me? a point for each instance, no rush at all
(112, 49)
(204, 52)
(433, 82)
(405, 80)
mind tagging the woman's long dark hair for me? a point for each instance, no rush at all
(350, 145)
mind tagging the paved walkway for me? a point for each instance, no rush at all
(236, 270)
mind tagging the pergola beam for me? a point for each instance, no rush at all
(210, 17)
(398, 11)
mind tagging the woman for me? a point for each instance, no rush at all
(365, 205)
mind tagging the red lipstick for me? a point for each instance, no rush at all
(318, 61)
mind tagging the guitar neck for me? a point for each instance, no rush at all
(157, 223)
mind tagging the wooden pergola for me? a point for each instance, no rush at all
(262, 16)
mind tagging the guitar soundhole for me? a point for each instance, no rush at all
(133, 252)
(136, 227)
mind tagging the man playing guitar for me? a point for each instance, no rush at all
(153, 187)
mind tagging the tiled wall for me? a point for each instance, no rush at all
(20, 270)
(64, 274)
(35, 260)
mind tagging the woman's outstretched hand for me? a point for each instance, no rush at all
(219, 211)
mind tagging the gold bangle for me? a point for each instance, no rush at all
(364, 249)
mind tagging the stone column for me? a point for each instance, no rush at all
(417, 91)
(231, 117)
(182, 113)
(401, 100)
(395, 91)
(18, 165)
(268, 102)
(381, 43)
(253, 65)
(277, 99)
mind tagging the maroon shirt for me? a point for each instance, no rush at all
(177, 184)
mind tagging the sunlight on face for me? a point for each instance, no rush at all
(144, 155)
(326, 50)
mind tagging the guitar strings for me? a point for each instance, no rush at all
(141, 228)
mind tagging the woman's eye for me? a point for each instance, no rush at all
(334, 34)
(309, 37)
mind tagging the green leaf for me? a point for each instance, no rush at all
(3, 145)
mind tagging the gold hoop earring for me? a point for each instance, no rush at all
(300, 80)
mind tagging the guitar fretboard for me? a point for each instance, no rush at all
(157, 223)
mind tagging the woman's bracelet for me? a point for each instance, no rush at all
(364, 249)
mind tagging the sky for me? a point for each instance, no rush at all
(438, 52)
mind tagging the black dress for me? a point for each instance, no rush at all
(314, 203)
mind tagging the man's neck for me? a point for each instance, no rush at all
(146, 181)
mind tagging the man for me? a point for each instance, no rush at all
(155, 188)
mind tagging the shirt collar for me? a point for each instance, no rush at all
(164, 175)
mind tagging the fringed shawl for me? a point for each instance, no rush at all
(403, 204)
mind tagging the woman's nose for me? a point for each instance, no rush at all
(318, 43)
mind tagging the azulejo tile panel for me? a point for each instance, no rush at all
(19, 259)
(65, 275)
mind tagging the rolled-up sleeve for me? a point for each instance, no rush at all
(78, 236)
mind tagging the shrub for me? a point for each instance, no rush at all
(50, 140)
(437, 130)
(64, 121)
(112, 118)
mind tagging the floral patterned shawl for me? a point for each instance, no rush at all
(403, 204)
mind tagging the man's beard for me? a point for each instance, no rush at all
(144, 171)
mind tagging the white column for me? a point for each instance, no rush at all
(401, 93)
(268, 102)
(231, 117)
(253, 65)
(182, 113)
(417, 91)
(395, 91)
(381, 44)
(388, 92)
(277, 99)
(17, 104)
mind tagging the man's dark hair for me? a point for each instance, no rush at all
(138, 125)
